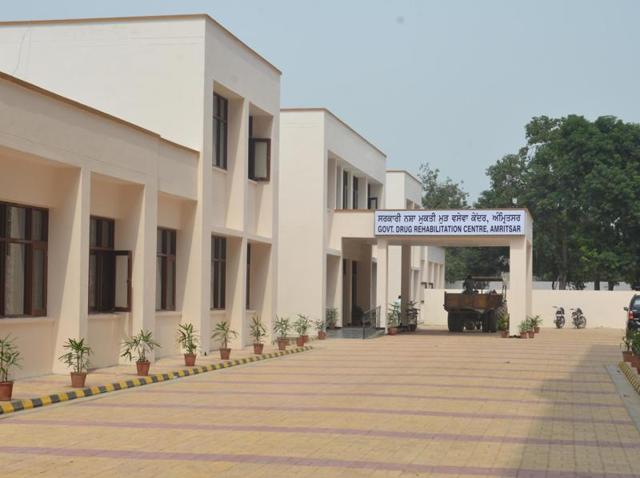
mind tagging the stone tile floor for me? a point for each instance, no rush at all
(426, 404)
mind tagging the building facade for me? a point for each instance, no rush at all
(325, 166)
(136, 240)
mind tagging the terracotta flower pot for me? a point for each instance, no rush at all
(225, 354)
(634, 360)
(393, 330)
(78, 379)
(536, 330)
(504, 334)
(322, 335)
(306, 338)
(282, 344)
(626, 356)
(6, 390)
(143, 368)
(523, 335)
(300, 341)
(531, 334)
(189, 360)
(257, 349)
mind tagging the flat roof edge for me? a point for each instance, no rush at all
(328, 111)
(183, 16)
(404, 171)
(89, 109)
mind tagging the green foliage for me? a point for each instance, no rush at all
(138, 346)
(524, 326)
(635, 344)
(503, 319)
(301, 325)
(535, 321)
(9, 357)
(393, 315)
(580, 180)
(257, 330)
(331, 317)
(188, 338)
(627, 340)
(77, 356)
(440, 194)
(320, 325)
(281, 327)
(223, 334)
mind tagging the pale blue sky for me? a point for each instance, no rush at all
(451, 82)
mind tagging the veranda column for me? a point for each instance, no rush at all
(518, 283)
(144, 261)
(68, 261)
(405, 278)
(382, 283)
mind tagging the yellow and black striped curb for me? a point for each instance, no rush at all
(25, 404)
(628, 372)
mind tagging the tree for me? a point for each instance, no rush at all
(441, 194)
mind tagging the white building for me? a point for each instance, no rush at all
(325, 166)
(212, 104)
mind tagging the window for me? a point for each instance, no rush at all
(355, 193)
(259, 156)
(23, 261)
(218, 272)
(220, 130)
(372, 202)
(109, 269)
(345, 190)
(260, 159)
(248, 298)
(166, 270)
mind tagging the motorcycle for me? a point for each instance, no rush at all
(578, 318)
(559, 320)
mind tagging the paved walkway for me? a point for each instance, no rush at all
(27, 388)
(430, 404)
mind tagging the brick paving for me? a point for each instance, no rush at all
(428, 404)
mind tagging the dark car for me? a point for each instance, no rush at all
(633, 313)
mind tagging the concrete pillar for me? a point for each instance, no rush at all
(69, 252)
(347, 283)
(382, 282)
(364, 278)
(144, 260)
(405, 278)
(519, 294)
(236, 289)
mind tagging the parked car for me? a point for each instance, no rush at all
(633, 313)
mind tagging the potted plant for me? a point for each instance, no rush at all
(223, 333)
(301, 326)
(627, 342)
(139, 345)
(332, 317)
(320, 327)
(393, 318)
(188, 341)
(77, 358)
(503, 323)
(281, 328)
(523, 327)
(536, 322)
(258, 332)
(9, 357)
(530, 331)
